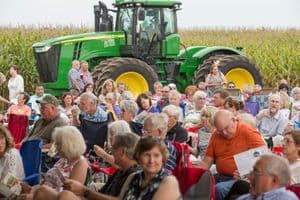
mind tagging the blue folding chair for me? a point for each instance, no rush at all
(31, 152)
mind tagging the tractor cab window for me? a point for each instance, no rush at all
(149, 28)
(125, 22)
(150, 23)
(169, 21)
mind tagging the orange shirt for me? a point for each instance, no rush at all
(222, 150)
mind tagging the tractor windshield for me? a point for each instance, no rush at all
(125, 22)
(169, 23)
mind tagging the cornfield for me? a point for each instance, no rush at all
(276, 52)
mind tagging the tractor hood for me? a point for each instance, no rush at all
(77, 38)
(56, 54)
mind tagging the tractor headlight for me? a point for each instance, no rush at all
(42, 49)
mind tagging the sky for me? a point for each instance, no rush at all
(194, 13)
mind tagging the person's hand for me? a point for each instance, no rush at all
(74, 186)
(263, 113)
(25, 187)
(99, 151)
(25, 196)
(75, 111)
(109, 106)
(236, 175)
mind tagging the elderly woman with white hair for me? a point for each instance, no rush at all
(70, 146)
(192, 119)
(129, 109)
(114, 128)
(175, 131)
(174, 99)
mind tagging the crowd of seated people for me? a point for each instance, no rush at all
(216, 125)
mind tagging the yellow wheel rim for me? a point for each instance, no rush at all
(134, 82)
(240, 77)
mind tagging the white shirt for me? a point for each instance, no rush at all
(295, 172)
(15, 86)
(11, 162)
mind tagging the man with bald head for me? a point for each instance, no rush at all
(230, 138)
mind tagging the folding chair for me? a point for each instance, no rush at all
(31, 152)
(294, 188)
(194, 183)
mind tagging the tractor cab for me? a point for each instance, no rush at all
(150, 27)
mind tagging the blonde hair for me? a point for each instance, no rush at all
(284, 100)
(209, 112)
(69, 140)
(103, 88)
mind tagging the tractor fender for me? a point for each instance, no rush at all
(209, 51)
(188, 52)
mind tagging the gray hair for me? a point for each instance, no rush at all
(126, 141)
(278, 166)
(172, 111)
(69, 140)
(274, 95)
(295, 90)
(89, 98)
(126, 95)
(175, 93)
(248, 119)
(75, 62)
(118, 127)
(158, 120)
(199, 94)
(113, 95)
(129, 106)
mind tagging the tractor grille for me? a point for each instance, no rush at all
(47, 63)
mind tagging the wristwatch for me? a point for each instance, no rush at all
(86, 193)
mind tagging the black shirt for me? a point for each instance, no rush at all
(177, 134)
(115, 183)
(136, 128)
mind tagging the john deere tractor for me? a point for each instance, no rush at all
(143, 47)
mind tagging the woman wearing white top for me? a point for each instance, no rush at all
(291, 150)
(10, 158)
(15, 84)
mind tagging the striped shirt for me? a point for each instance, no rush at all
(172, 160)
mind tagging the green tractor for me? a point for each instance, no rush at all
(143, 47)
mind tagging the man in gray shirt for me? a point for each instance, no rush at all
(50, 119)
(270, 121)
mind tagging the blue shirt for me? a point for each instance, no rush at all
(99, 116)
(74, 74)
(272, 126)
(172, 160)
(277, 194)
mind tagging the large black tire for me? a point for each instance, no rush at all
(114, 68)
(227, 64)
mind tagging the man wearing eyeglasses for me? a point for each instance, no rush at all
(231, 137)
(271, 122)
(268, 179)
